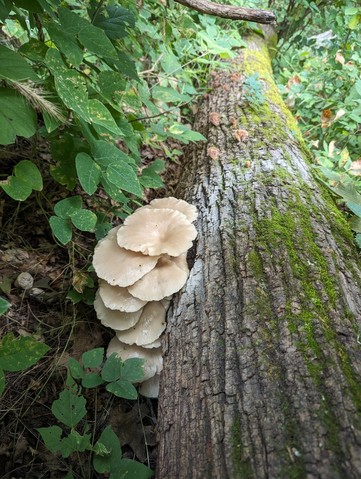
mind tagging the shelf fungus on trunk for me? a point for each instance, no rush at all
(140, 265)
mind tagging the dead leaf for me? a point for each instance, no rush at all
(130, 430)
(213, 152)
(294, 80)
(247, 164)
(241, 135)
(80, 281)
(214, 118)
(339, 58)
(355, 168)
(326, 118)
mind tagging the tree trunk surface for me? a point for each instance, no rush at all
(262, 363)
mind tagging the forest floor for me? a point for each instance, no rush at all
(48, 314)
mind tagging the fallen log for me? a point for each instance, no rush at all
(262, 355)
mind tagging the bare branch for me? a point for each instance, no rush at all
(230, 11)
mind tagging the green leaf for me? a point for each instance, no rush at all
(2, 381)
(100, 115)
(69, 84)
(112, 368)
(84, 220)
(66, 43)
(123, 176)
(4, 306)
(354, 21)
(88, 172)
(20, 353)
(112, 86)
(29, 174)
(65, 208)
(5, 8)
(91, 380)
(132, 470)
(14, 67)
(106, 153)
(51, 437)
(123, 389)
(34, 50)
(75, 368)
(17, 118)
(108, 462)
(169, 95)
(184, 134)
(16, 188)
(116, 21)
(62, 151)
(61, 228)
(31, 5)
(69, 408)
(126, 66)
(355, 224)
(92, 37)
(74, 442)
(150, 177)
(113, 191)
(93, 358)
(358, 240)
(355, 208)
(133, 370)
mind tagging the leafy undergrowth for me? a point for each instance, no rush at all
(47, 315)
(319, 72)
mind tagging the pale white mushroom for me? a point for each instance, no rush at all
(153, 357)
(149, 327)
(114, 318)
(119, 266)
(157, 231)
(118, 298)
(189, 211)
(155, 344)
(165, 279)
(181, 262)
(150, 388)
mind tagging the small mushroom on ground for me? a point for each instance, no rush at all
(153, 363)
(157, 231)
(113, 318)
(165, 279)
(149, 327)
(189, 211)
(150, 387)
(118, 298)
(119, 266)
(24, 281)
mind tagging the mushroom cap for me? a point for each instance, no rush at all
(155, 344)
(189, 211)
(157, 231)
(165, 279)
(153, 357)
(114, 318)
(150, 387)
(118, 298)
(119, 266)
(149, 327)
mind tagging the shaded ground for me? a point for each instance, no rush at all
(27, 245)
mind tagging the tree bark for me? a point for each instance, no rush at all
(230, 11)
(262, 356)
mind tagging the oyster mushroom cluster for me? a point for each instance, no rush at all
(140, 265)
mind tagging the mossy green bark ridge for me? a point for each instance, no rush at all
(262, 351)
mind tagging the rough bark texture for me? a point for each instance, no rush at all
(262, 357)
(230, 11)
